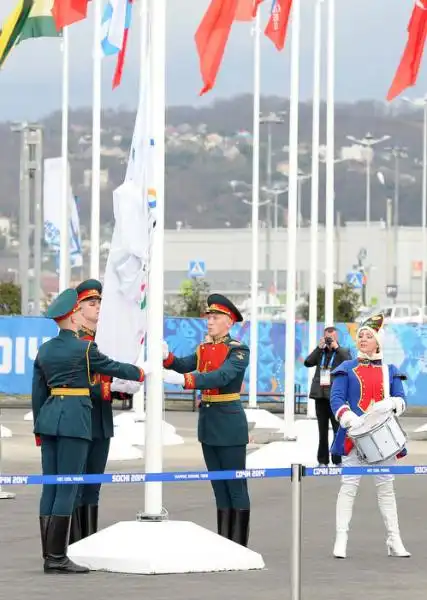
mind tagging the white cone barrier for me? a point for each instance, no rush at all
(127, 420)
(5, 432)
(420, 433)
(149, 548)
(282, 454)
(120, 449)
(264, 419)
(134, 433)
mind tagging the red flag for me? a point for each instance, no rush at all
(67, 12)
(211, 38)
(255, 7)
(407, 71)
(245, 10)
(278, 22)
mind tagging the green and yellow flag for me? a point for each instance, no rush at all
(40, 22)
(12, 28)
(30, 19)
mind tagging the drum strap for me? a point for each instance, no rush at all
(386, 381)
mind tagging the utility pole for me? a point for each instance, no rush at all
(30, 196)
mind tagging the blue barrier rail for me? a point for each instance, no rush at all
(182, 476)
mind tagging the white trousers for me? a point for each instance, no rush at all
(353, 460)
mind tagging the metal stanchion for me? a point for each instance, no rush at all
(296, 476)
(3, 495)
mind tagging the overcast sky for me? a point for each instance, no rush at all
(370, 38)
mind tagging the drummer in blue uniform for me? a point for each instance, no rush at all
(360, 386)
(63, 374)
(217, 368)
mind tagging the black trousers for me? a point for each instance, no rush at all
(325, 415)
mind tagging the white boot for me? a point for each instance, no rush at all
(344, 512)
(388, 508)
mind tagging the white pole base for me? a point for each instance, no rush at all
(148, 548)
(134, 433)
(5, 432)
(120, 449)
(283, 454)
(7, 496)
(263, 419)
(28, 416)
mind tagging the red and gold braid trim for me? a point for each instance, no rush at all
(342, 409)
(169, 360)
(221, 309)
(89, 294)
(105, 387)
(189, 381)
(141, 375)
(63, 317)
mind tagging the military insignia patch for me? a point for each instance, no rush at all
(240, 355)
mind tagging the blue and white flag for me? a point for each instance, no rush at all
(114, 21)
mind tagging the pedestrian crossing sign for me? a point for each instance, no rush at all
(196, 268)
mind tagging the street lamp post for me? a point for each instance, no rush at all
(368, 142)
(269, 120)
(397, 152)
(422, 103)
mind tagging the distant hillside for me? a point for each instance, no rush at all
(209, 147)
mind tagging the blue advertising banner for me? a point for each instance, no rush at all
(405, 346)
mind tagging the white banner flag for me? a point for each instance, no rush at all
(52, 190)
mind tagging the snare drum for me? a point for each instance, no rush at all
(378, 438)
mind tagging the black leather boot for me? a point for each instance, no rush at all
(89, 519)
(76, 526)
(57, 560)
(223, 516)
(240, 526)
(44, 524)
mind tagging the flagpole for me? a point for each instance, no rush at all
(139, 397)
(96, 141)
(155, 299)
(64, 241)
(330, 152)
(253, 365)
(314, 226)
(289, 411)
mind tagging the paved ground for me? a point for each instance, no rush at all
(367, 572)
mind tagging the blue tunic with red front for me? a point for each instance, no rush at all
(358, 384)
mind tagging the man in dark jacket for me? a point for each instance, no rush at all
(326, 357)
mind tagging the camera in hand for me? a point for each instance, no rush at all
(328, 341)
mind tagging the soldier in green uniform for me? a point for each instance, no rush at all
(217, 368)
(63, 373)
(85, 516)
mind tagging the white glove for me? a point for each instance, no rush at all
(399, 405)
(173, 377)
(146, 367)
(383, 406)
(165, 350)
(393, 403)
(350, 419)
(124, 386)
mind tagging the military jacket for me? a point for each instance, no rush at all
(100, 394)
(64, 371)
(218, 369)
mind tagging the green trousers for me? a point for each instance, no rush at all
(61, 456)
(228, 494)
